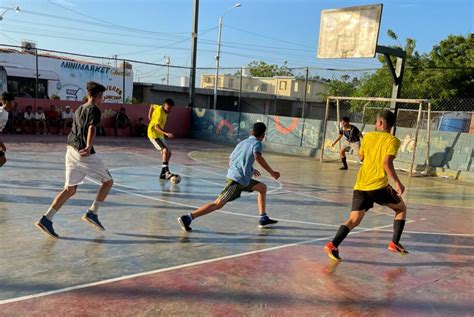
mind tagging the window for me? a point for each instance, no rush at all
(231, 82)
(264, 87)
(296, 86)
(207, 80)
(25, 87)
(308, 89)
(282, 85)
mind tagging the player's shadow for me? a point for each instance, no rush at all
(405, 264)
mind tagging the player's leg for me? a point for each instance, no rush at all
(231, 192)
(342, 155)
(162, 146)
(45, 223)
(398, 205)
(361, 202)
(261, 189)
(96, 169)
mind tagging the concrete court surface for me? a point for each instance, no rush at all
(144, 265)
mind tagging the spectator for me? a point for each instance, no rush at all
(122, 121)
(141, 128)
(40, 119)
(28, 119)
(53, 118)
(66, 116)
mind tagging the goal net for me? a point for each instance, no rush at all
(412, 127)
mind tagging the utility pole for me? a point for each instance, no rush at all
(192, 75)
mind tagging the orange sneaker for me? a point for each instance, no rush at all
(397, 248)
(332, 252)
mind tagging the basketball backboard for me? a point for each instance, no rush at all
(349, 32)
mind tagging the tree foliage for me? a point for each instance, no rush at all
(262, 69)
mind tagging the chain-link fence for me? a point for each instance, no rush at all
(284, 91)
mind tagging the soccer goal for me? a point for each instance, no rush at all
(413, 115)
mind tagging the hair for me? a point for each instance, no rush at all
(40, 108)
(6, 96)
(93, 88)
(169, 102)
(345, 119)
(389, 117)
(29, 107)
(259, 129)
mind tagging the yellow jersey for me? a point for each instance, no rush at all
(158, 117)
(375, 147)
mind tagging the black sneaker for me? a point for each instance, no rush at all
(184, 221)
(46, 226)
(166, 176)
(93, 219)
(343, 168)
(266, 221)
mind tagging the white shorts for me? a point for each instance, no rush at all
(355, 146)
(159, 143)
(78, 167)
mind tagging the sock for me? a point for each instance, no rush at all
(340, 235)
(95, 206)
(50, 213)
(264, 215)
(398, 226)
(344, 162)
(191, 216)
(165, 168)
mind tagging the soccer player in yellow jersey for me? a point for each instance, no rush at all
(378, 151)
(157, 133)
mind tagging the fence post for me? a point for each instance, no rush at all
(304, 105)
(36, 76)
(428, 137)
(410, 172)
(324, 129)
(240, 103)
(123, 82)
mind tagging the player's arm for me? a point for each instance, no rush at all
(337, 140)
(390, 169)
(161, 130)
(150, 112)
(263, 163)
(91, 130)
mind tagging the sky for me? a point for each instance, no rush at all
(271, 30)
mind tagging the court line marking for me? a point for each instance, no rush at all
(174, 268)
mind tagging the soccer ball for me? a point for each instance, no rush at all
(175, 179)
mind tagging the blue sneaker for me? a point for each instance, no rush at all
(46, 225)
(266, 221)
(93, 219)
(184, 221)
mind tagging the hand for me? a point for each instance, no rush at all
(332, 145)
(3, 148)
(399, 188)
(169, 135)
(275, 175)
(85, 151)
(256, 173)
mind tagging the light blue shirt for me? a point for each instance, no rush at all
(242, 159)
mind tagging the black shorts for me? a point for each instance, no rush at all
(233, 190)
(364, 200)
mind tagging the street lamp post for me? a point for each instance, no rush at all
(237, 5)
(17, 10)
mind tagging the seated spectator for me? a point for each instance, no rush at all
(40, 119)
(28, 119)
(122, 121)
(141, 128)
(66, 116)
(12, 117)
(53, 118)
